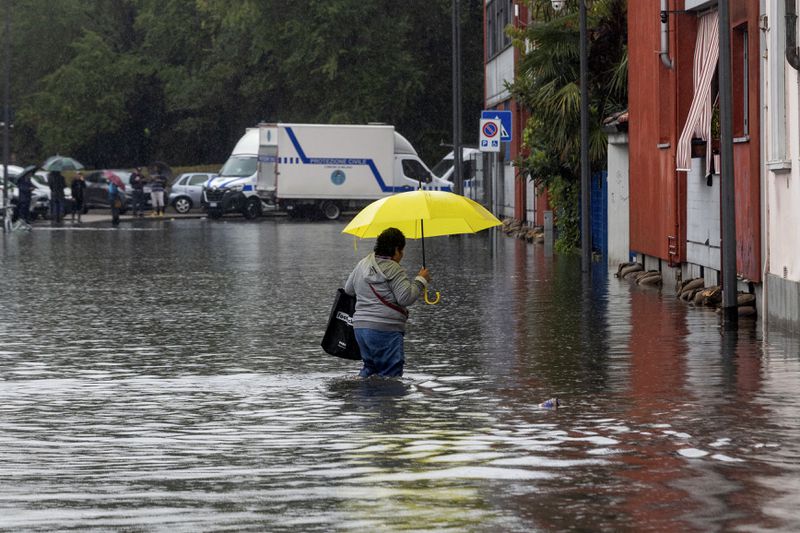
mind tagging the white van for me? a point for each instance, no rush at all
(445, 170)
(316, 170)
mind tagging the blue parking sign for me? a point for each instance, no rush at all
(505, 122)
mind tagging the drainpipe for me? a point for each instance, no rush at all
(664, 53)
(792, 51)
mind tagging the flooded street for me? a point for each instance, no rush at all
(167, 376)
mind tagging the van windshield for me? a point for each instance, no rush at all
(239, 166)
(442, 167)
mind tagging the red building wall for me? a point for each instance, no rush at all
(746, 155)
(659, 101)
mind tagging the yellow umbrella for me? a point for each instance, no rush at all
(420, 213)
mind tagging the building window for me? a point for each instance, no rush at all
(740, 81)
(498, 17)
(777, 153)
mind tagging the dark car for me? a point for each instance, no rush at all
(96, 192)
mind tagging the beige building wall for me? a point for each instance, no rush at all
(781, 174)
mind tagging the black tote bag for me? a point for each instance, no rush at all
(339, 338)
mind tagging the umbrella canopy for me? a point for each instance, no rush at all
(113, 178)
(160, 168)
(59, 163)
(419, 214)
(27, 171)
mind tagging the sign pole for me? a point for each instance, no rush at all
(6, 115)
(586, 243)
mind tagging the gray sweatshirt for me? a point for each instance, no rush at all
(389, 280)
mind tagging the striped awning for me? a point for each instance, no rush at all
(698, 123)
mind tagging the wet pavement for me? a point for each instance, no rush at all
(167, 375)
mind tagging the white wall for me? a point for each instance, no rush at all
(507, 207)
(499, 71)
(702, 217)
(781, 174)
(618, 192)
(530, 201)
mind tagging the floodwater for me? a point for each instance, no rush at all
(167, 376)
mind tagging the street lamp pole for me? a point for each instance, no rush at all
(457, 175)
(586, 252)
(6, 113)
(730, 312)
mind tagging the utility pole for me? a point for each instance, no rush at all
(457, 175)
(730, 312)
(586, 243)
(6, 113)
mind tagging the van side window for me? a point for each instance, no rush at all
(414, 170)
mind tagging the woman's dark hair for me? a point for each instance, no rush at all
(388, 241)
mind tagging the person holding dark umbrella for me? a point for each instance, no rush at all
(137, 184)
(77, 186)
(57, 183)
(158, 182)
(25, 186)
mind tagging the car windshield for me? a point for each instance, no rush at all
(41, 180)
(442, 167)
(239, 166)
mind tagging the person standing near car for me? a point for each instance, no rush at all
(157, 185)
(137, 184)
(25, 186)
(77, 187)
(115, 201)
(57, 184)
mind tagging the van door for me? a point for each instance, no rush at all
(267, 168)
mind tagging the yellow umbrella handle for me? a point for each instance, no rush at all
(432, 302)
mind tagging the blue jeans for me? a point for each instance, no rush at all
(381, 352)
(56, 209)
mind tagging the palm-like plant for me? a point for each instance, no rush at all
(547, 84)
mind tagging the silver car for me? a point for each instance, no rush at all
(187, 190)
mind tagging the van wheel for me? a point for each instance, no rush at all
(252, 208)
(330, 210)
(182, 205)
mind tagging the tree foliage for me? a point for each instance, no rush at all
(123, 82)
(548, 85)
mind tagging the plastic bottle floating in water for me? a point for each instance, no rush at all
(552, 403)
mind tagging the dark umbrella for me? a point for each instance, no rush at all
(30, 170)
(60, 162)
(161, 168)
(113, 178)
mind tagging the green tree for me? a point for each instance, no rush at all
(84, 107)
(118, 82)
(548, 85)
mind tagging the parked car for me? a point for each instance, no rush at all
(96, 192)
(187, 190)
(13, 171)
(40, 196)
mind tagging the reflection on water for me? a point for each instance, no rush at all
(168, 376)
